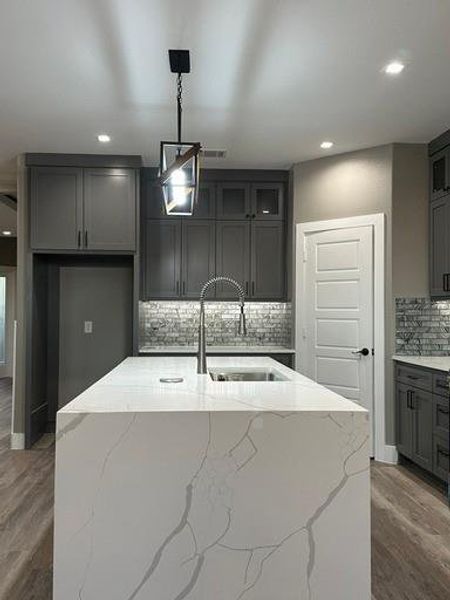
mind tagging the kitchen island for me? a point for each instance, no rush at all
(211, 490)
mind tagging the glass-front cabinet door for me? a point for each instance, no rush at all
(439, 174)
(233, 201)
(267, 201)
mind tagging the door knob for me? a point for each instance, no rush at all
(363, 351)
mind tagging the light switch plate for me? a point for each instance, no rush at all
(88, 327)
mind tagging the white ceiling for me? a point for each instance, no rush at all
(271, 78)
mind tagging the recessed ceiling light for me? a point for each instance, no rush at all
(394, 68)
(326, 145)
(104, 138)
(6, 232)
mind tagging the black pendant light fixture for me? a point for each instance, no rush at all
(179, 161)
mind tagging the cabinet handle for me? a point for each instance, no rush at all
(443, 452)
(247, 216)
(79, 238)
(184, 288)
(86, 239)
(412, 400)
(178, 288)
(408, 399)
(413, 377)
(246, 288)
(253, 288)
(442, 409)
(253, 216)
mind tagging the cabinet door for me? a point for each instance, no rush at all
(162, 258)
(56, 205)
(439, 174)
(233, 201)
(153, 199)
(198, 262)
(404, 420)
(206, 202)
(440, 248)
(441, 415)
(232, 255)
(267, 261)
(110, 209)
(422, 448)
(441, 461)
(267, 201)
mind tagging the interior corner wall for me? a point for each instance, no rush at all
(348, 185)
(410, 228)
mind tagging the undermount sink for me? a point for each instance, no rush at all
(232, 374)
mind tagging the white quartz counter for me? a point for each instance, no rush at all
(211, 490)
(438, 363)
(135, 386)
(217, 350)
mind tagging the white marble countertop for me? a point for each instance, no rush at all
(134, 386)
(217, 350)
(438, 363)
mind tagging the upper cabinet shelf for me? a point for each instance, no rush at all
(83, 209)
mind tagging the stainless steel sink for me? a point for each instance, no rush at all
(232, 374)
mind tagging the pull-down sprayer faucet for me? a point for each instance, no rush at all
(242, 329)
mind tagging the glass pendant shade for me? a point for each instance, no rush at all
(179, 170)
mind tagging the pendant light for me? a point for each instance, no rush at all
(179, 161)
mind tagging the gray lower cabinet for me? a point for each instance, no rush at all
(233, 255)
(180, 257)
(82, 209)
(423, 418)
(56, 208)
(110, 209)
(267, 260)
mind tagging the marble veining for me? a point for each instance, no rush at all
(223, 504)
(422, 327)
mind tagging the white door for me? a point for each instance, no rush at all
(7, 316)
(338, 324)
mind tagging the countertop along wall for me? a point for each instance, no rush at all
(389, 179)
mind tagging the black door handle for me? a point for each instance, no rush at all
(363, 351)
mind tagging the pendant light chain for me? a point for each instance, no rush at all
(179, 103)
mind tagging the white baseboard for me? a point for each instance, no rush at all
(388, 455)
(17, 441)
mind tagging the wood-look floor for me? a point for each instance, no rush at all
(410, 526)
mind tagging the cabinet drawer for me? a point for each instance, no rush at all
(441, 457)
(415, 377)
(440, 384)
(440, 415)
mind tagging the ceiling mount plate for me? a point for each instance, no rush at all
(179, 61)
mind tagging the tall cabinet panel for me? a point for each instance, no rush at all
(56, 208)
(198, 256)
(267, 260)
(163, 254)
(109, 209)
(233, 254)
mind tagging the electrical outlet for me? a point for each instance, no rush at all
(88, 327)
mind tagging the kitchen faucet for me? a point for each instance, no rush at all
(242, 329)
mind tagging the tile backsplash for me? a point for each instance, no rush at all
(422, 326)
(174, 323)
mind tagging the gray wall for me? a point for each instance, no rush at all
(410, 221)
(385, 179)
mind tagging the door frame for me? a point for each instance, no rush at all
(10, 316)
(382, 452)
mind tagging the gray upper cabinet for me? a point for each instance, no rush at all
(198, 256)
(233, 255)
(56, 208)
(110, 209)
(83, 209)
(233, 201)
(267, 261)
(163, 258)
(267, 201)
(440, 247)
(439, 174)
